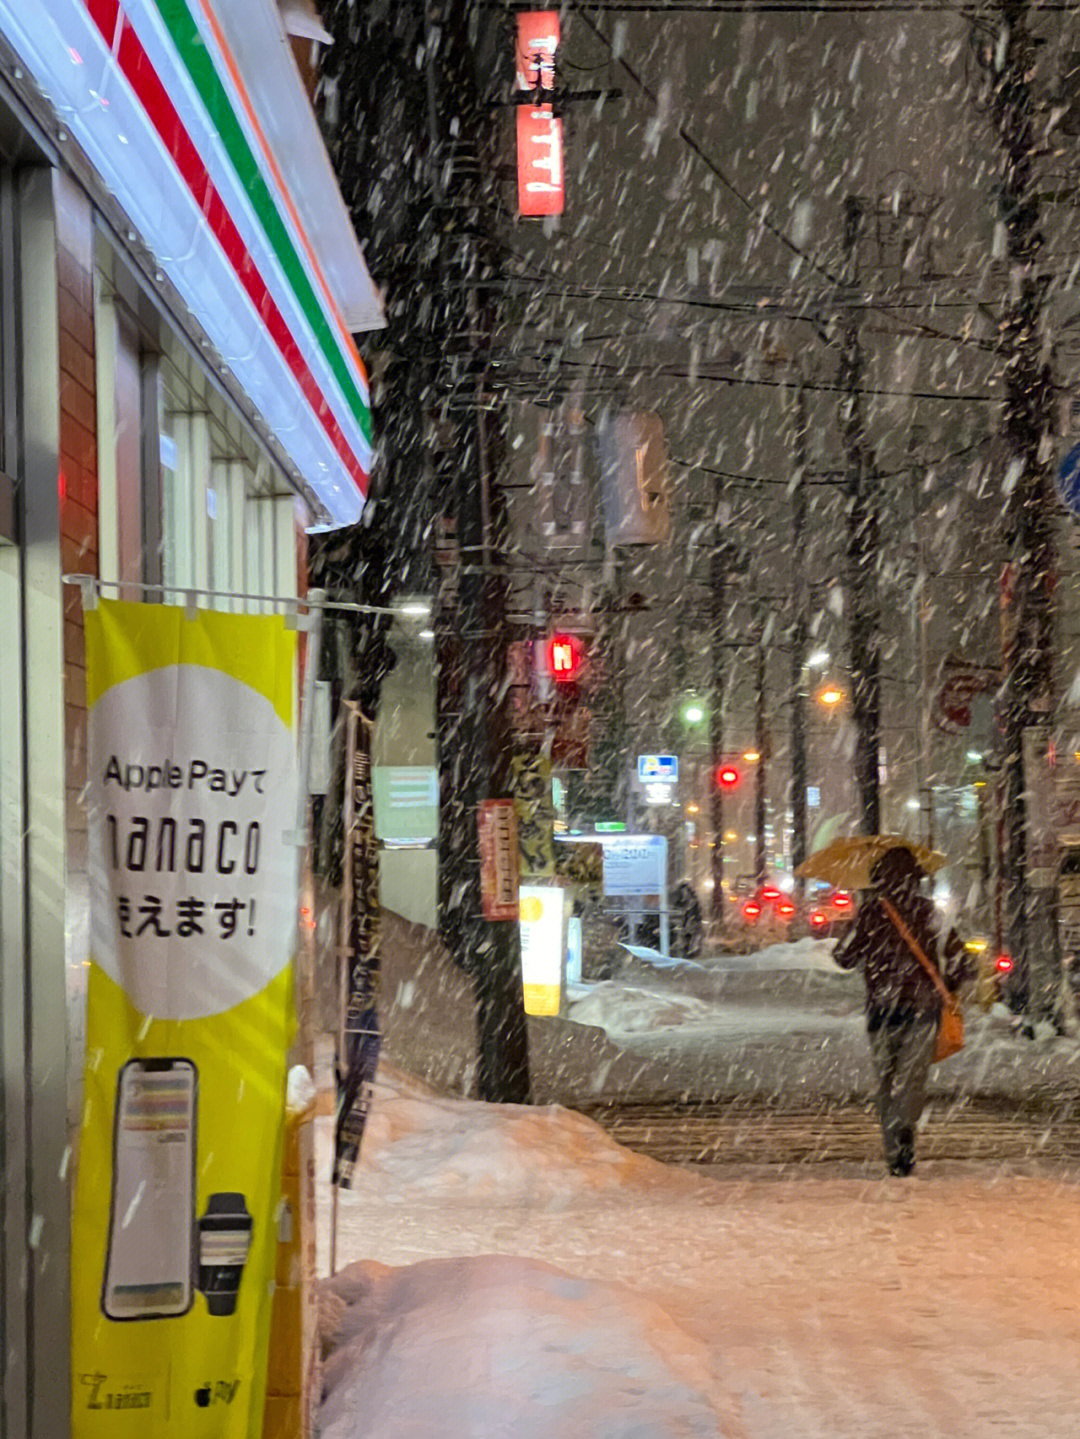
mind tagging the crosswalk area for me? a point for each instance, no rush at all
(744, 1131)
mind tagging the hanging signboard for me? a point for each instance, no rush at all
(359, 1039)
(541, 189)
(193, 796)
(541, 186)
(543, 946)
(538, 35)
(635, 865)
(657, 768)
(499, 863)
(530, 779)
(1039, 807)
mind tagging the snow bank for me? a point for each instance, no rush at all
(424, 1147)
(621, 1009)
(498, 1346)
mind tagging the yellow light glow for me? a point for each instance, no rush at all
(731, 836)
(830, 696)
(977, 946)
(751, 756)
(693, 809)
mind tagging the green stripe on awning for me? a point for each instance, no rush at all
(188, 40)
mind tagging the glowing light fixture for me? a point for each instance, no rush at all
(830, 696)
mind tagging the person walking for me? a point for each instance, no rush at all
(903, 1004)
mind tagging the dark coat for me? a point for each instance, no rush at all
(896, 982)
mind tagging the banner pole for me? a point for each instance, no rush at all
(348, 819)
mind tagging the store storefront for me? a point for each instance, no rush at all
(180, 400)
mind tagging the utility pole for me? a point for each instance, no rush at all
(462, 182)
(761, 769)
(862, 551)
(800, 629)
(1031, 565)
(718, 592)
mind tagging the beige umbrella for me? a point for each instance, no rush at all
(847, 861)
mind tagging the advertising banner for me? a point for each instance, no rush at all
(192, 795)
(635, 866)
(499, 862)
(543, 945)
(530, 780)
(360, 1040)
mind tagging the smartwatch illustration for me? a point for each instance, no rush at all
(224, 1242)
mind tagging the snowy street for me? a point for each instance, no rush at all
(825, 1303)
(816, 1300)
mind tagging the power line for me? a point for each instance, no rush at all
(670, 372)
(720, 174)
(815, 7)
(689, 140)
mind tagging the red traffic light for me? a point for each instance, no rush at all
(565, 657)
(1004, 964)
(727, 776)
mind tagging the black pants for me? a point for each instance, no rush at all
(902, 1048)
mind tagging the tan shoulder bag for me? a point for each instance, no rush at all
(950, 1036)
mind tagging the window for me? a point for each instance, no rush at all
(187, 497)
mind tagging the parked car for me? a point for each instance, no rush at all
(825, 913)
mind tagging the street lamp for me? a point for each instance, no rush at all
(693, 712)
(830, 695)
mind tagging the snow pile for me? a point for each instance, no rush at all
(621, 1009)
(829, 1302)
(496, 1346)
(418, 1146)
(799, 954)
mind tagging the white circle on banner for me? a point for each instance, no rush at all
(192, 787)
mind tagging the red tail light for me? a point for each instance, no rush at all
(751, 909)
(818, 917)
(770, 894)
(1004, 964)
(841, 900)
(785, 910)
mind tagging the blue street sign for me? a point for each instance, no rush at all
(658, 768)
(1068, 481)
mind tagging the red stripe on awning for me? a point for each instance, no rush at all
(138, 70)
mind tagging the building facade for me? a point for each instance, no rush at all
(180, 400)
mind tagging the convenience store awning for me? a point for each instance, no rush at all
(194, 116)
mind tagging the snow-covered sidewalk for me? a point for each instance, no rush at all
(514, 1272)
(784, 1021)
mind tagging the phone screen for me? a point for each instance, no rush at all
(150, 1264)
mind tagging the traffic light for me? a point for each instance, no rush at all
(565, 658)
(727, 776)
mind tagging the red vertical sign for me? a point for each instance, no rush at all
(499, 861)
(541, 190)
(538, 36)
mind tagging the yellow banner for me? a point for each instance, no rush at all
(193, 868)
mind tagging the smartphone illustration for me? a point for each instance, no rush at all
(150, 1263)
